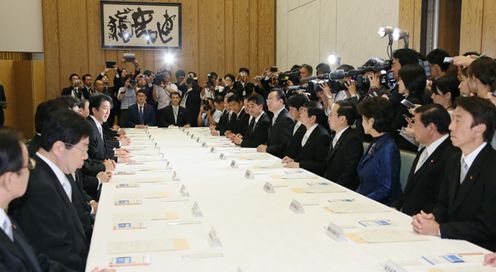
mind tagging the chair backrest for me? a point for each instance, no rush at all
(407, 159)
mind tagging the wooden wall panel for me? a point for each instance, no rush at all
(51, 47)
(14, 56)
(241, 34)
(8, 81)
(266, 34)
(24, 84)
(488, 30)
(218, 35)
(253, 36)
(410, 20)
(449, 26)
(471, 25)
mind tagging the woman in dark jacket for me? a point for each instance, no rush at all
(411, 85)
(379, 168)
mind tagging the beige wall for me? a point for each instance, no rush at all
(21, 26)
(309, 30)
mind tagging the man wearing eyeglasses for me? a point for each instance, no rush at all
(46, 212)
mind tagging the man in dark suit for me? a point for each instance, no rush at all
(46, 212)
(346, 148)
(141, 114)
(295, 102)
(76, 89)
(239, 118)
(282, 125)
(424, 181)
(465, 209)
(3, 105)
(315, 142)
(174, 114)
(99, 113)
(258, 127)
(222, 126)
(191, 101)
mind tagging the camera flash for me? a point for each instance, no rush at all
(333, 59)
(168, 58)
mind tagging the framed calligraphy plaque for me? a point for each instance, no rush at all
(140, 25)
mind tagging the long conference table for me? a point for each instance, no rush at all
(194, 202)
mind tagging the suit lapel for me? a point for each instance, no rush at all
(341, 139)
(470, 179)
(62, 194)
(26, 248)
(11, 247)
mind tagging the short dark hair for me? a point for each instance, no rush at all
(437, 56)
(346, 67)
(313, 109)
(447, 84)
(297, 101)
(484, 68)
(176, 93)
(65, 126)
(407, 56)
(244, 69)
(140, 91)
(10, 151)
(82, 102)
(257, 99)
(230, 76)
(307, 67)
(218, 99)
(235, 98)
(323, 68)
(280, 94)
(413, 76)
(96, 101)
(43, 112)
(482, 111)
(85, 76)
(67, 101)
(180, 73)
(213, 75)
(435, 114)
(348, 110)
(378, 108)
(70, 77)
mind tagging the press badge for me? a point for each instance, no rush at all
(131, 260)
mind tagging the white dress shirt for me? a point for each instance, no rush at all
(60, 176)
(98, 125)
(338, 135)
(470, 158)
(276, 114)
(307, 134)
(6, 224)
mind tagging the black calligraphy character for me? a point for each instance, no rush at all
(141, 18)
(165, 29)
(112, 27)
(124, 29)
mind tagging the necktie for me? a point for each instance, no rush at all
(142, 121)
(296, 127)
(175, 114)
(334, 141)
(305, 138)
(7, 227)
(423, 156)
(463, 170)
(251, 126)
(100, 130)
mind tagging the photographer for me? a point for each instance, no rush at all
(181, 81)
(210, 111)
(191, 99)
(211, 86)
(127, 97)
(265, 82)
(241, 79)
(411, 86)
(162, 91)
(76, 89)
